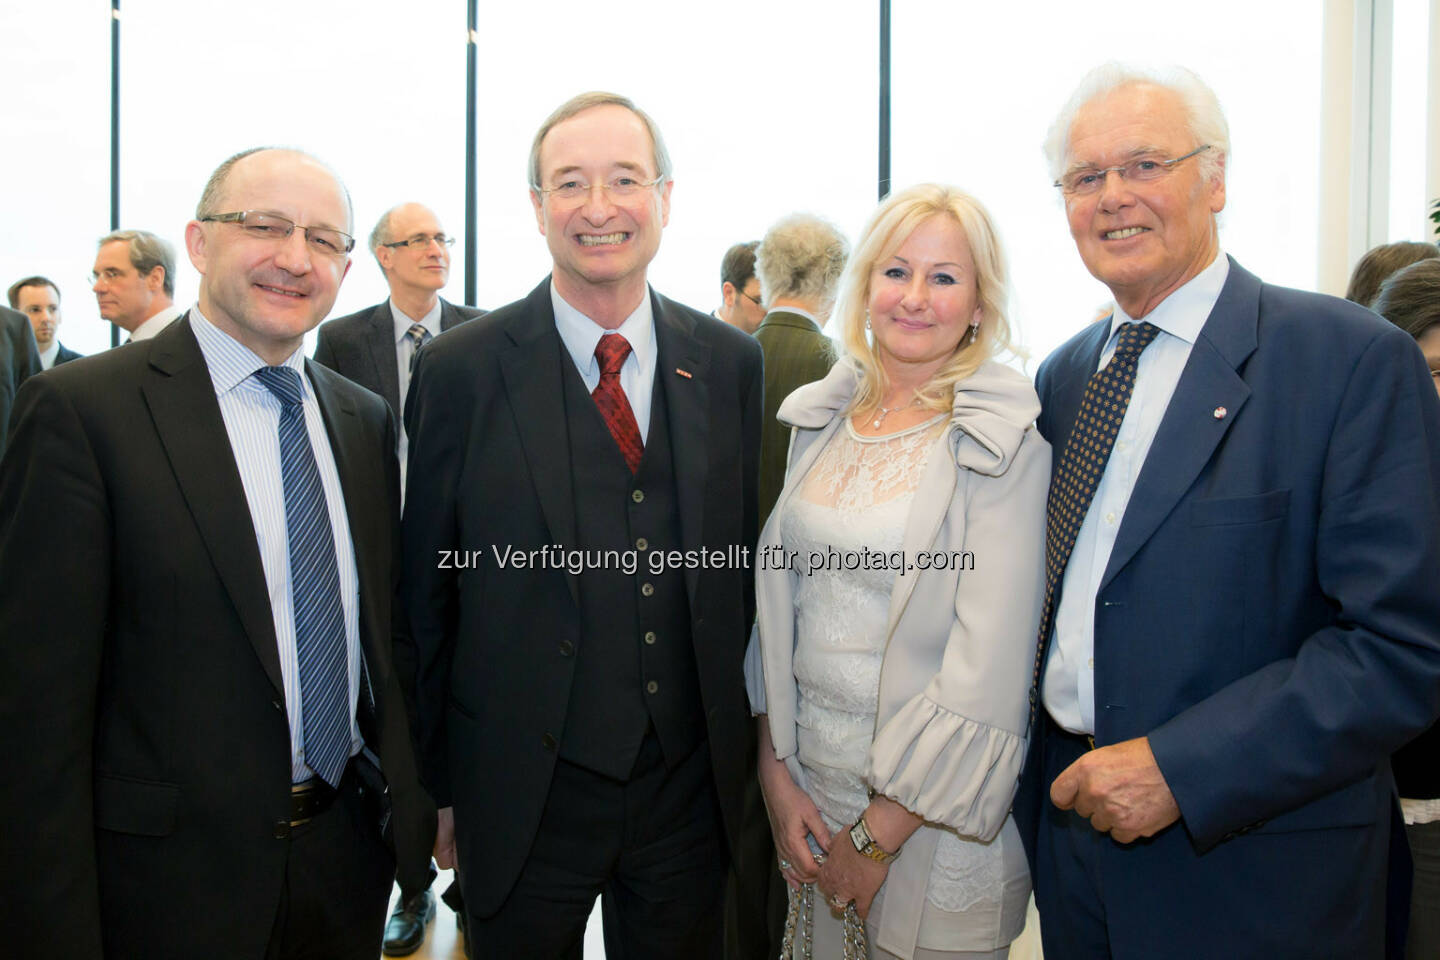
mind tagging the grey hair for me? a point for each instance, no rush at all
(210, 197)
(801, 257)
(147, 251)
(598, 98)
(1205, 118)
(380, 234)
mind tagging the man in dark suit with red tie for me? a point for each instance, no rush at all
(205, 743)
(582, 716)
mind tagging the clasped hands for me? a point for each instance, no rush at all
(1120, 789)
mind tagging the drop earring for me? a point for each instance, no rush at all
(867, 320)
(974, 332)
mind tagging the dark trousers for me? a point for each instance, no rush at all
(651, 847)
(338, 875)
(755, 893)
(1068, 889)
(1423, 942)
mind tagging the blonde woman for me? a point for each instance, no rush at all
(899, 591)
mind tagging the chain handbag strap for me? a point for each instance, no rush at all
(798, 941)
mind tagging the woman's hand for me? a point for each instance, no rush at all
(848, 875)
(793, 816)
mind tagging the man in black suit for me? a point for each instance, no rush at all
(39, 299)
(18, 360)
(582, 713)
(376, 347)
(198, 743)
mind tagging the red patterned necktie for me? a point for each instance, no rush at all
(1073, 484)
(611, 352)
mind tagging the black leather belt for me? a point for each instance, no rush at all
(309, 799)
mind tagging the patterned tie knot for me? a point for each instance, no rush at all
(283, 382)
(611, 351)
(418, 334)
(1135, 337)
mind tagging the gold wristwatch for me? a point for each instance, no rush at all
(865, 844)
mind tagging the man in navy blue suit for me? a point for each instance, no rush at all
(1243, 618)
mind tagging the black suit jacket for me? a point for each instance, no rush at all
(65, 355)
(147, 789)
(361, 346)
(18, 360)
(490, 470)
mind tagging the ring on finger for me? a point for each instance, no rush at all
(785, 864)
(838, 903)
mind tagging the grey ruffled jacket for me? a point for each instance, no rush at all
(950, 733)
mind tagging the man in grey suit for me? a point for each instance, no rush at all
(376, 347)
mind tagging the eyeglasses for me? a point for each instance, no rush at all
(422, 240)
(1078, 183)
(619, 187)
(109, 275)
(754, 300)
(272, 226)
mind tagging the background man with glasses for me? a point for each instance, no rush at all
(198, 742)
(583, 724)
(376, 347)
(739, 289)
(1243, 547)
(134, 282)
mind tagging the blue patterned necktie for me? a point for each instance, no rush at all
(314, 587)
(419, 336)
(1072, 486)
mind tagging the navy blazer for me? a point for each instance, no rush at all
(361, 346)
(1268, 618)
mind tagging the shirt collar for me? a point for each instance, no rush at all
(231, 363)
(580, 334)
(1184, 312)
(795, 310)
(48, 355)
(156, 322)
(431, 320)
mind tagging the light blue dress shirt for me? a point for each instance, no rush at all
(580, 334)
(252, 420)
(405, 348)
(1069, 685)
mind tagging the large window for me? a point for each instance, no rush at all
(979, 84)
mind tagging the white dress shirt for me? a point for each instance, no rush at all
(637, 376)
(155, 323)
(405, 348)
(252, 420)
(1069, 685)
(48, 355)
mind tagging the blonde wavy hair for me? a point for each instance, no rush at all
(889, 227)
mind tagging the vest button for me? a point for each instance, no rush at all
(548, 741)
(282, 829)
(651, 687)
(638, 496)
(566, 648)
(650, 637)
(642, 544)
(647, 590)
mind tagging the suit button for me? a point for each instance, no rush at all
(637, 495)
(647, 590)
(277, 704)
(651, 687)
(566, 648)
(548, 741)
(642, 544)
(282, 829)
(650, 637)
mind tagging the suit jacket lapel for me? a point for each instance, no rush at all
(688, 400)
(1190, 432)
(368, 515)
(449, 316)
(381, 340)
(181, 398)
(531, 369)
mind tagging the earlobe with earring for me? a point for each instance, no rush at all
(974, 332)
(867, 319)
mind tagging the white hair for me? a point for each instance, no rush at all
(1205, 118)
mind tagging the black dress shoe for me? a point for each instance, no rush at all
(406, 929)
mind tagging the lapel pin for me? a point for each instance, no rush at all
(685, 373)
(1219, 413)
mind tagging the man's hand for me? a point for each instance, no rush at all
(445, 838)
(1120, 789)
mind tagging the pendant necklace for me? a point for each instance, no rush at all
(886, 411)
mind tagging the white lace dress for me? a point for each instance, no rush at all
(854, 503)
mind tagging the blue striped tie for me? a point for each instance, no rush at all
(314, 587)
